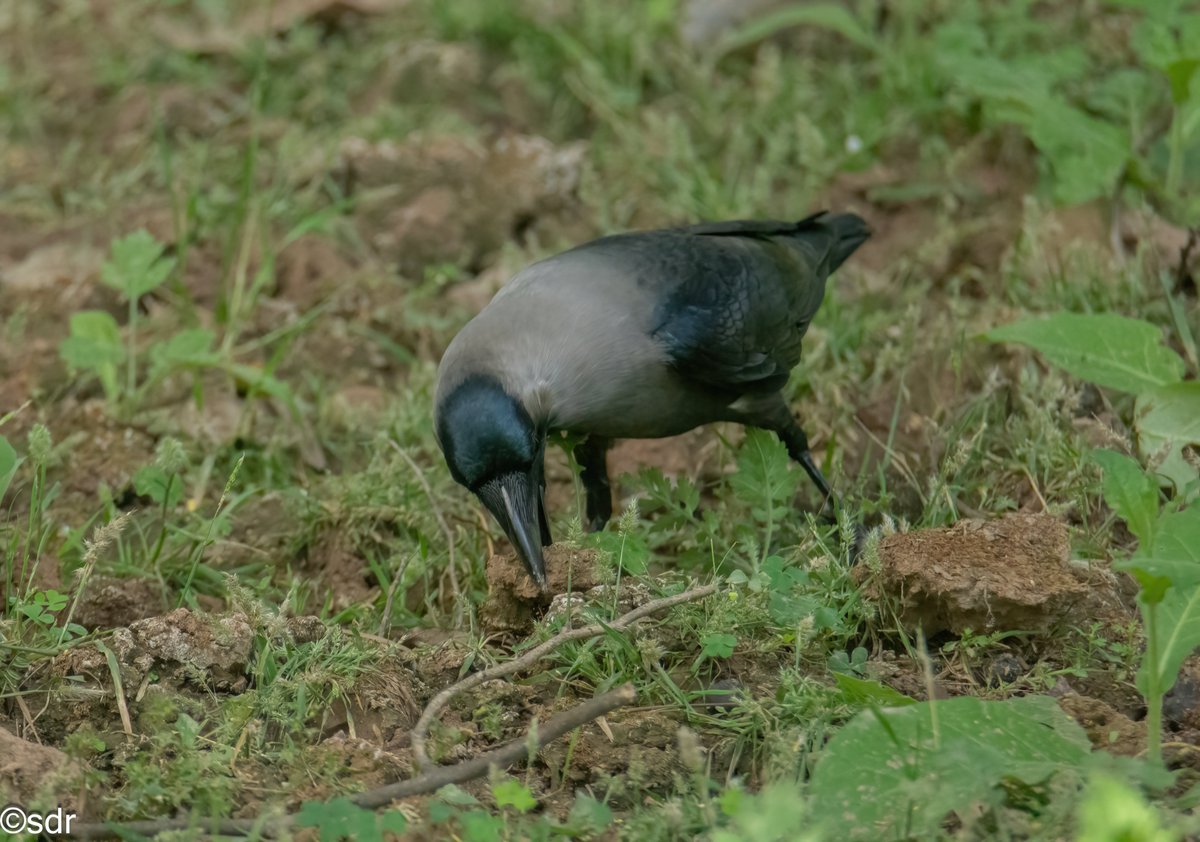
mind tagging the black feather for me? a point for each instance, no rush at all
(743, 294)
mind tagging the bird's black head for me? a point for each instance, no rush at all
(494, 448)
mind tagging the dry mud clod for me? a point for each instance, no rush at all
(514, 599)
(1010, 573)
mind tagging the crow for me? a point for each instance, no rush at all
(637, 335)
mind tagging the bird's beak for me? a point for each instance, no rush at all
(514, 499)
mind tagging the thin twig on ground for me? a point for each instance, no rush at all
(372, 799)
(438, 702)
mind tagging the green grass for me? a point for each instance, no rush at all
(230, 412)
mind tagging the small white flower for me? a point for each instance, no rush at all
(854, 144)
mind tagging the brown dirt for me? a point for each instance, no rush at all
(641, 753)
(1009, 573)
(108, 602)
(453, 200)
(338, 566)
(1107, 728)
(514, 599)
(34, 775)
(98, 453)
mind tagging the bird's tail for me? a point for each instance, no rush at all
(849, 232)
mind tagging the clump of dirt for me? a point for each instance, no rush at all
(514, 599)
(181, 648)
(33, 774)
(1106, 727)
(108, 602)
(638, 750)
(451, 199)
(1010, 573)
(381, 707)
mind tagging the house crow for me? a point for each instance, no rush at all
(638, 335)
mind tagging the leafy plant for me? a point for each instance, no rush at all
(341, 818)
(1126, 355)
(1113, 811)
(898, 772)
(137, 266)
(510, 792)
(852, 663)
(40, 606)
(1167, 566)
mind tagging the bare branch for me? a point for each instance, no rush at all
(372, 799)
(534, 655)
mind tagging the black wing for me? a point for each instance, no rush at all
(743, 296)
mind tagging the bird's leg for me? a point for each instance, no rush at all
(796, 442)
(593, 459)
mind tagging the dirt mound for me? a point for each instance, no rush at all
(1107, 728)
(109, 602)
(514, 599)
(32, 774)
(1010, 573)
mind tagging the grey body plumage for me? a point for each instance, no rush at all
(639, 335)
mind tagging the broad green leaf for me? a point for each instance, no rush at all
(456, 795)
(1169, 417)
(831, 16)
(1181, 72)
(1110, 350)
(478, 826)
(788, 610)
(343, 819)
(861, 692)
(1114, 811)
(1131, 493)
(192, 346)
(588, 814)
(1179, 632)
(261, 381)
(95, 339)
(512, 793)
(763, 474)
(1175, 554)
(95, 345)
(1086, 154)
(718, 645)
(898, 772)
(9, 462)
(153, 482)
(1178, 617)
(136, 266)
(629, 550)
